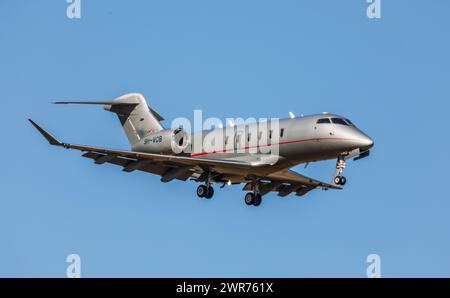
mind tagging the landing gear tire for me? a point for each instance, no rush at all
(340, 180)
(209, 192)
(253, 199)
(202, 191)
(337, 180)
(257, 200)
(249, 198)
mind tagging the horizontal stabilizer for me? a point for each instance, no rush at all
(108, 103)
(111, 103)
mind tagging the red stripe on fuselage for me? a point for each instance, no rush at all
(267, 145)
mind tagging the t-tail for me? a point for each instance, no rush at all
(137, 118)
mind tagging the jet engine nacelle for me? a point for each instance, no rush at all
(167, 141)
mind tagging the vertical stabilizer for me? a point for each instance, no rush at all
(136, 117)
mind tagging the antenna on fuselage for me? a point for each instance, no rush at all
(291, 115)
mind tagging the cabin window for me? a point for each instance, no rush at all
(281, 132)
(339, 121)
(226, 140)
(248, 137)
(323, 120)
(270, 134)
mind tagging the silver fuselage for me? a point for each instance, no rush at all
(302, 140)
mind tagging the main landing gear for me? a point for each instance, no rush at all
(253, 198)
(340, 166)
(204, 191)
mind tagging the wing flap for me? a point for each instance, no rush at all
(124, 162)
(286, 182)
(168, 159)
(296, 178)
(116, 160)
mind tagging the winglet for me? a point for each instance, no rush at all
(51, 139)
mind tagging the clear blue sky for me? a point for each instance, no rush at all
(230, 58)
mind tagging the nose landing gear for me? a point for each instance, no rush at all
(340, 180)
(340, 166)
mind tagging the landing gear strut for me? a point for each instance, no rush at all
(340, 166)
(253, 198)
(205, 191)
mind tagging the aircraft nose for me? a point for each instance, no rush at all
(366, 142)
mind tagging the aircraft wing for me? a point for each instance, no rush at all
(287, 181)
(171, 167)
(168, 166)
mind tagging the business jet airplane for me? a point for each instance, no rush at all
(170, 152)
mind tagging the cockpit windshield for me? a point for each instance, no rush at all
(349, 122)
(335, 120)
(323, 120)
(339, 121)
